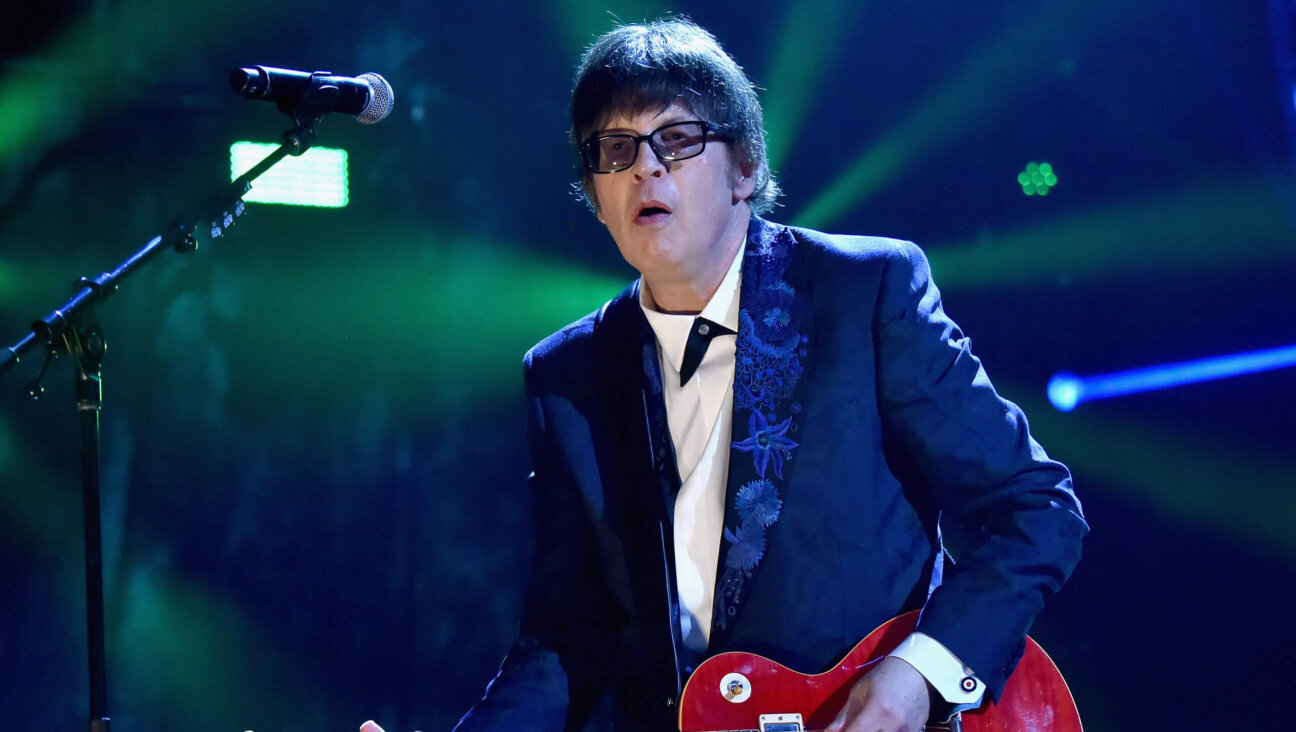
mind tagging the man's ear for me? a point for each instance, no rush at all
(592, 200)
(744, 183)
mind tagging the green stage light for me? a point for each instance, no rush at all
(317, 178)
(25, 102)
(812, 33)
(995, 74)
(422, 279)
(1187, 230)
(1204, 480)
(1037, 179)
(581, 21)
(68, 85)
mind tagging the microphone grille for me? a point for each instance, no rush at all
(381, 99)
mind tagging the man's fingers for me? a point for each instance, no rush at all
(370, 726)
(848, 711)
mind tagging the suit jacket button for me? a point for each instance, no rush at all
(670, 702)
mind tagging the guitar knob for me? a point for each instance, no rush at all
(735, 688)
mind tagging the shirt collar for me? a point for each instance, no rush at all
(672, 331)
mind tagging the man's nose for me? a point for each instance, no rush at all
(647, 164)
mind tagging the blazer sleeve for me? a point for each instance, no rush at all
(993, 484)
(550, 679)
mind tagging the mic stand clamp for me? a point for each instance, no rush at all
(319, 98)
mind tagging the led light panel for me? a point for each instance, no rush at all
(316, 178)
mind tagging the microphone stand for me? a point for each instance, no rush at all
(73, 328)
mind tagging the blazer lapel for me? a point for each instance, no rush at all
(773, 328)
(629, 347)
(651, 477)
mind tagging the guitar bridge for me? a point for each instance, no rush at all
(781, 723)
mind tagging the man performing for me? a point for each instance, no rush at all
(761, 443)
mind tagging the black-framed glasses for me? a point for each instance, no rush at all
(675, 141)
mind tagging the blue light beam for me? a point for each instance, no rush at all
(1068, 391)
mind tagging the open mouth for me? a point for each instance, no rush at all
(652, 211)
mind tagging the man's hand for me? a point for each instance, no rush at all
(891, 698)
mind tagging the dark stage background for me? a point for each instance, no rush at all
(314, 507)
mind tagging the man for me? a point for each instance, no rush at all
(751, 447)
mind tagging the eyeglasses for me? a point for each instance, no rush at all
(675, 141)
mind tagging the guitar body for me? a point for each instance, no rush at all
(732, 690)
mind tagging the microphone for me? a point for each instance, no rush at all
(367, 97)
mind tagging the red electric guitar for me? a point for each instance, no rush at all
(743, 691)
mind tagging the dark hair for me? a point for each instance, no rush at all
(635, 68)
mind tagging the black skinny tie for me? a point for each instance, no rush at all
(699, 338)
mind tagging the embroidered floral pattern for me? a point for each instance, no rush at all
(766, 371)
(767, 363)
(748, 547)
(776, 318)
(758, 501)
(768, 443)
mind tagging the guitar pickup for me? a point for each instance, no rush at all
(781, 723)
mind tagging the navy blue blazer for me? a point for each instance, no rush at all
(863, 428)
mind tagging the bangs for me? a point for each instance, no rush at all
(627, 90)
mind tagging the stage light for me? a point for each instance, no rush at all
(317, 178)
(811, 36)
(1037, 179)
(976, 88)
(1188, 230)
(1067, 391)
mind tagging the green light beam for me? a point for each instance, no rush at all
(183, 649)
(452, 322)
(30, 110)
(27, 281)
(449, 314)
(581, 21)
(998, 71)
(37, 503)
(1200, 479)
(73, 83)
(11, 284)
(187, 652)
(812, 33)
(1188, 230)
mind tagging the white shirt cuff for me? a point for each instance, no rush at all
(954, 681)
